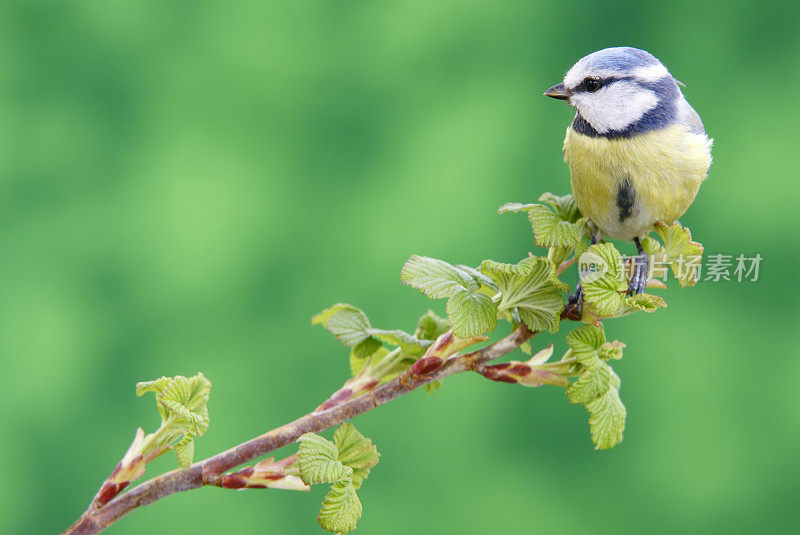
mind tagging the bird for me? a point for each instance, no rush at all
(636, 149)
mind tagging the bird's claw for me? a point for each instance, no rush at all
(638, 282)
(574, 307)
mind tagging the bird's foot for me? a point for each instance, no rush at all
(638, 281)
(574, 307)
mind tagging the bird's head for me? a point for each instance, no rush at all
(615, 89)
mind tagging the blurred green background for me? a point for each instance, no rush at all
(184, 184)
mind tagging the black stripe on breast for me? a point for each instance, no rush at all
(626, 199)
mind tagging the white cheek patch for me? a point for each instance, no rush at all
(616, 106)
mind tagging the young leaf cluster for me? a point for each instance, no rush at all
(376, 353)
(679, 251)
(182, 403)
(470, 308)
(597, 386)
(345, 464)
(559, 225)
(529, 292)
(526, 292)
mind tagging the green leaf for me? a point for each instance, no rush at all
(586, 341)
(607, 419)
(523, 267)
(347, 323)
(591, 384)
(640, 302)
(175, 400)
(471, 314)
(358, 360)
(346, 462)
(182, 403)
(580, 248)
(530, 288)
(514, 207)
(651, 245)
(602, 279)
(550, 231)
(157, 386)
(611, 350)
(559, 229)
(430, 326)
(435, 278)
(565, 206)
(408, 342)
(351, 326)
(558, 255)
(366, 348)
(408, 351)
(477, 276)
(598, 385)
(470, 310)
(341, 509)
(355, 451)
(318, 460)
(184, 451)
(681, 252)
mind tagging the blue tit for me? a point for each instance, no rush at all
(636, 150)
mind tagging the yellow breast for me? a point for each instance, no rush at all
(662, 170)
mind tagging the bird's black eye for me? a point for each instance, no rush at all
(592, 84)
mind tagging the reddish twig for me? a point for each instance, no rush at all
(208, 472)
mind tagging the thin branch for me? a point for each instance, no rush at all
(207, 472)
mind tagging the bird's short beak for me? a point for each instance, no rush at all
(558, 91)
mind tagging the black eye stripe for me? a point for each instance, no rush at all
(582, 87)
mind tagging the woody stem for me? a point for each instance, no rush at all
(207, 471)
